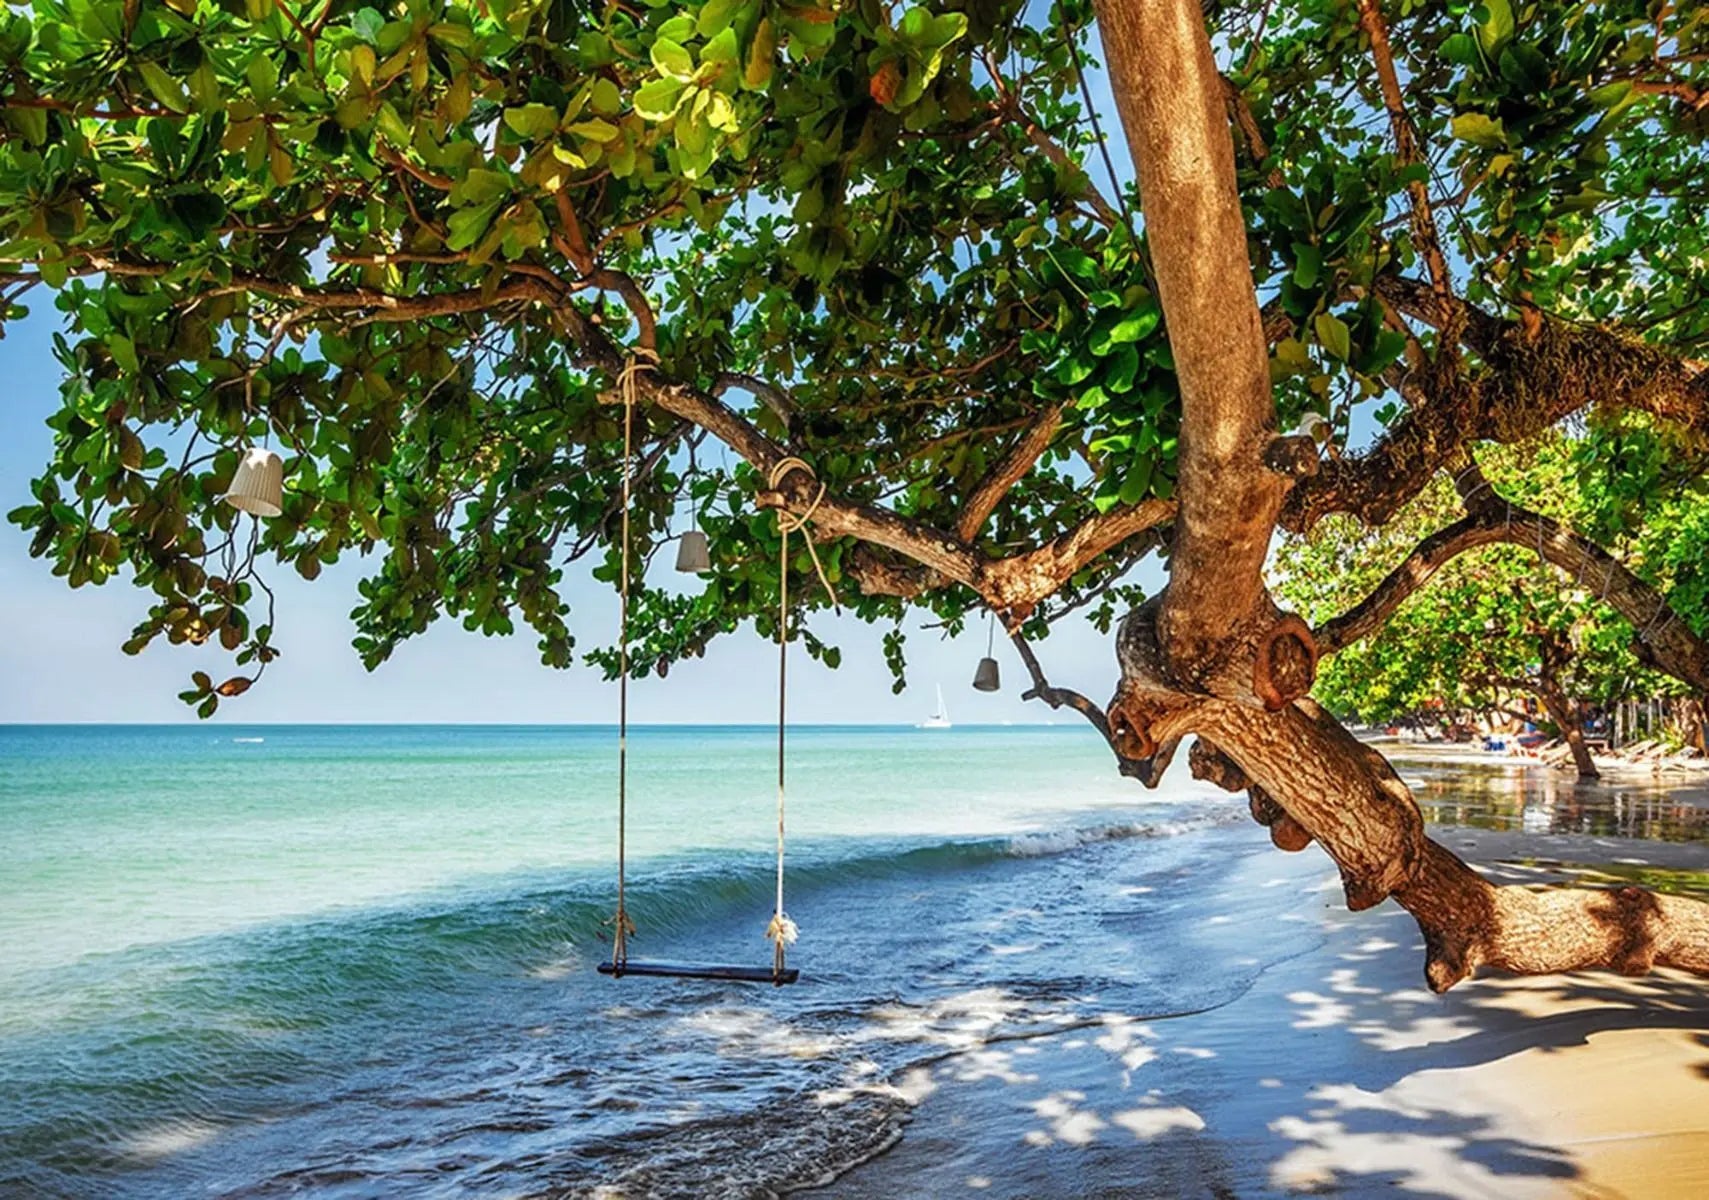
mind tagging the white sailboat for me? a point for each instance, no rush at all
(940, 718)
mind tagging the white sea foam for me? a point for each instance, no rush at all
(167, 1138)
(1060, 841)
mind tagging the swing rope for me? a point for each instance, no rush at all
(782, 931)
(621, 925)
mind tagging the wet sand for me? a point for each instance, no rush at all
(1338, 1071)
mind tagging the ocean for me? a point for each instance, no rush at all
(359, 961)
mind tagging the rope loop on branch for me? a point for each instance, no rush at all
(788, 522)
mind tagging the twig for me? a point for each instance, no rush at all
(1135, 768)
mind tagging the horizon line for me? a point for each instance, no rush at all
(88, 724)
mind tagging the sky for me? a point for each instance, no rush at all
(60, 659)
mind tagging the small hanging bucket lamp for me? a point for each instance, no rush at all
(692, 554)
(259, 485)
(985, 675)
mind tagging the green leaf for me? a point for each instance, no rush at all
(673, 60)
(1075, 368)
(715, 17)
(658, 99)
(606, 99)
(1460, 48)
(263, 76)
(1120, 369)
(468, 224)
(123, 352)
(534, 121)
(1495, 25)
(1524, 66)
(163, 87)
(1480, 130)
(722, 51)
(1308, 264)
(1333, 335)
(1125, 327)
(593, 130)
(480, 185)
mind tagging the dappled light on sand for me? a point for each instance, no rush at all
(1512, 1087)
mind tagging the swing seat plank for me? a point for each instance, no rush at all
(670, 970)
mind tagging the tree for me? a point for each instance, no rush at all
(1494, 625)
(446, 255)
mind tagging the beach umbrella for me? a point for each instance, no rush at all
(259, 485)
(692, 554)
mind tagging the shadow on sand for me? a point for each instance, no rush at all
(1336, 1072)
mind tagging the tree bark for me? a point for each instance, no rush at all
(1566, 715)
(1170, 97)
(1213, 656)
(1344, 795)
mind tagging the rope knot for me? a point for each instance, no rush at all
(788, 522)
(641, 358)
(782, 930)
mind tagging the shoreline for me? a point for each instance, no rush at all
(1338, 1071)
(1615, 768)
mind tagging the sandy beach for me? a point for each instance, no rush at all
(1338, 1072)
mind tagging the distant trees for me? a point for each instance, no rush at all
(1498, 624)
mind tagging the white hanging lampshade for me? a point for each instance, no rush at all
(985, 678)
(692, 554)
(259, 485)
(1315, 426)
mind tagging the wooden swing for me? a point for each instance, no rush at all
(781, 931)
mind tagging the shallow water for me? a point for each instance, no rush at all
(357, 962)
(1454, 788)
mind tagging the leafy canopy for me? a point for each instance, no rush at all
(410, 244)
(1498, 624)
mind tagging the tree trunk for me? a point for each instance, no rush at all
(1566, 715)
(1694, 726)
(1213, 656)
(1170, 97)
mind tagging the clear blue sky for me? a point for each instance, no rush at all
(60, 658)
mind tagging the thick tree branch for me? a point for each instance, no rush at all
(1531, 375)
(1019, 582)
(1174, 111)
(1010, 469)
(1666, 640)
(1011, 585)
(1345, 796)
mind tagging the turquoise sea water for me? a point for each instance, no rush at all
(359, 961)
